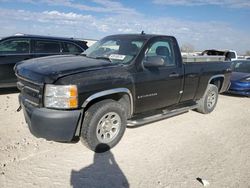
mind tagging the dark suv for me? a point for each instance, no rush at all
(22, 47)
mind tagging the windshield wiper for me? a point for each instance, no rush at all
(101, 57)
(98, 57)
(85, 55)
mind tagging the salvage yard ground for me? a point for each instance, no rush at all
(169, 153)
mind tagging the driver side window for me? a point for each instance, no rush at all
(161, 49)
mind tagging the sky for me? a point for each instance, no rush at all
(204, 24)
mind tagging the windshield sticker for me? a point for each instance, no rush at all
(117, 57)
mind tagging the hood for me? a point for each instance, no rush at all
(239, 75)
(49, 69)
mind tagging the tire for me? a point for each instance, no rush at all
(103, 126)
(208, 102)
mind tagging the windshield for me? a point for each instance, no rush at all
(115, 49)
(241, 66)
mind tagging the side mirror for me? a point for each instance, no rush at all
(154, 61)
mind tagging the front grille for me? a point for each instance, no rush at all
(31, 92)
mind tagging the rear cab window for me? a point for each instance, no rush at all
(15, 46)
(231, 55)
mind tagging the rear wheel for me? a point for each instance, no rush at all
(103, 126)
(208, 102)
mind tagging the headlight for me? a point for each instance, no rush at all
(60, 96)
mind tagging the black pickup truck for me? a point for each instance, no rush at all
(122, 80)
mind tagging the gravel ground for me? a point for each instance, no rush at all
(169, 153)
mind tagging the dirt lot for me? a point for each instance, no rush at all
(169, 153)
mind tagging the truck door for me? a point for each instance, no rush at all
(159, 84)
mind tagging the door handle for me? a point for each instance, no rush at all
(174, 75)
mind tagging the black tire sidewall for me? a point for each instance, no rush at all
(210, 89)
(96, 114)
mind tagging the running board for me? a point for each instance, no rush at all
(165, 114)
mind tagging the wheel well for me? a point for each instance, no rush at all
(217, 82)
(122, 98)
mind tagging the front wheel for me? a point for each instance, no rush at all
(208, 102)
(103, 126)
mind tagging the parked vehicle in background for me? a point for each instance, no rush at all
(230, 55)
(21, 47)
(122, 80)
(240, 79)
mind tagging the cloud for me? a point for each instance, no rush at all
(100, 6)
(227, 3)
(45, 16)
(202, 35)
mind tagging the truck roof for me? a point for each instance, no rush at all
(143, 36)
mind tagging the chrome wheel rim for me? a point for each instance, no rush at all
(211, 99)
(108, 127)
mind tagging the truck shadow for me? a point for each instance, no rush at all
(104, 172)
(4, 91)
